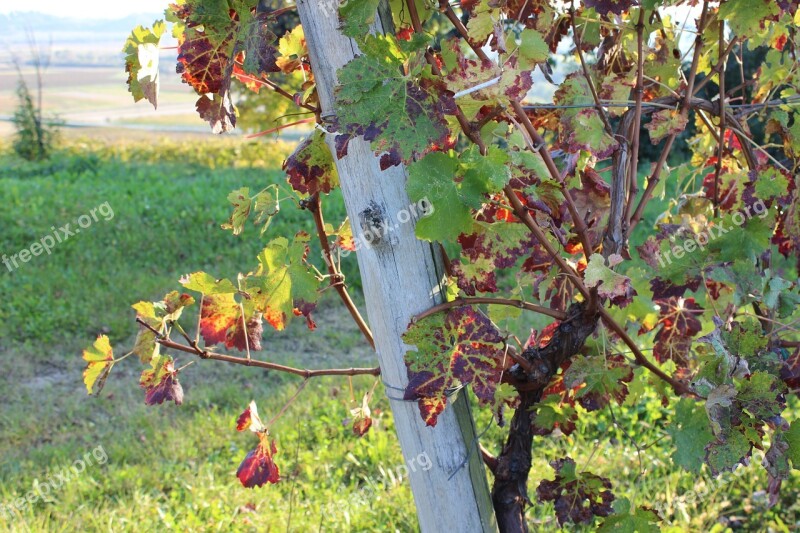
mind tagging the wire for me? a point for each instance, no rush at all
(793, 101)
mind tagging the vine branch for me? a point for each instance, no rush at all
(193, 348)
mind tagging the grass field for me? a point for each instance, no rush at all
(171, 467)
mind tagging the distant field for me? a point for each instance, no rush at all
(99, 96)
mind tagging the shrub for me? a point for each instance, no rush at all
(35, 138)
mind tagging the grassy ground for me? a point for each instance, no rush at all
(173, 467)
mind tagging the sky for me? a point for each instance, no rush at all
(97, 9)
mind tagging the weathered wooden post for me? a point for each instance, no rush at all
(401, 277)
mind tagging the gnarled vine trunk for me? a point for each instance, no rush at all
(510, 494)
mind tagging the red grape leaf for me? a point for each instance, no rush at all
(161, 382)
(491, 247)
(577, 497)
(460, 348)
(679, 323)
(222, 320)
(258, 467)
(310, 168)
(214, 36)
(249, 419)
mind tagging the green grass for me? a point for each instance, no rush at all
(174, 467)
(167, 209)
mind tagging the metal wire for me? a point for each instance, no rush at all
(793, 101)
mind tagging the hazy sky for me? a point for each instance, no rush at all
(100, 9)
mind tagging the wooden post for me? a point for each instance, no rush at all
(401, 277)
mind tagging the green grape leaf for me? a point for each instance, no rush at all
(746, 17)
(384, 96)
(725, 454)
(356, 17)
(792, 436)
(157, 315)
(625, 520)
(141, 62)
(206, 284)
(771, 184)
(432, 178)
(242, 203)
(603, 379)
(690, 434)
(533, 47)
(283, 285)
(761, 395)
(265, 206)
(552, 412)
(581, 129)
(664, 123)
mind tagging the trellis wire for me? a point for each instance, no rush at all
(792, 102)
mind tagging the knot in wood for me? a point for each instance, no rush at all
(375, 225)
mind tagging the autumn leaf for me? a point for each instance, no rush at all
(224, 320)
(664, 123)
(577, 496)
(310, 168)
(679, 323)
(458, 349)
(141, 62)
(388, 99)
(249, 419)
(160, 382)
(100, 360)
(362, 417)
(258, 467)
(611, 285)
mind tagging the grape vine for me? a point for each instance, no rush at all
(652, 205)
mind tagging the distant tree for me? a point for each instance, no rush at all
(35, 136)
